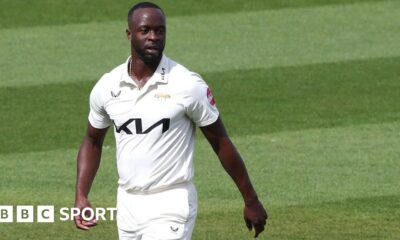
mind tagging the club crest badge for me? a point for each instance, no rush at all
(162, 96)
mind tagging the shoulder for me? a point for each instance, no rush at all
(184, 79)
(117, 72)
(109, 79)
(102, 90)
(179, 71)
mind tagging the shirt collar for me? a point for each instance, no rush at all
(160, 75)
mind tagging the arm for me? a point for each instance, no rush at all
(88, 162)
(254, 213)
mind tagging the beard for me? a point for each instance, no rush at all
(150, 57)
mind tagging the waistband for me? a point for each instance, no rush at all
(158, 190)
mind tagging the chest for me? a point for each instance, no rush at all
(133, 111)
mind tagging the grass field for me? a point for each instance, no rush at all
(308, 90)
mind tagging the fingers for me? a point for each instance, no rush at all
(255, 217)
(79, 223)
(90, 223)
(248, 224)
(258, 228)
(84, 224)
(258, 225)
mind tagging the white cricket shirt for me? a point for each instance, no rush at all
(154, 127)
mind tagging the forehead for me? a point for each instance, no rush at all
(147, 16)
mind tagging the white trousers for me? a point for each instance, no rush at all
(166, 215)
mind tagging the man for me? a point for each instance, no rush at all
(155, 104)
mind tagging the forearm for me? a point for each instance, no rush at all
(254, 212)
(88, 162)
(235, 167)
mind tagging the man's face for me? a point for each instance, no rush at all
(147, 34)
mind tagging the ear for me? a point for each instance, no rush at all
(128, 34)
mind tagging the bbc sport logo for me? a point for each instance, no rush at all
(46, 214)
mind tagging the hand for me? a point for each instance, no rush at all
(81, 223)
(255, 217)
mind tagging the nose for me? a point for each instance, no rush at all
(153, 36)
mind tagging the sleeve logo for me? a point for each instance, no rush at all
(210, 97)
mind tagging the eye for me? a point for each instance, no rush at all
(144, 30)
(160, 30)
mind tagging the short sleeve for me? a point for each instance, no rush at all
(98, 116)
(201, 109)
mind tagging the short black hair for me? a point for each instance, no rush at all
(142, 5)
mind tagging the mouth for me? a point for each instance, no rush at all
(152, 49)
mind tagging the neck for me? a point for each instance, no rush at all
(142, 70)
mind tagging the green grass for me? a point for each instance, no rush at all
(253, 40)
(286, 98)
(348, 219)
(23, 13)
(322, 182)
(309, 91)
